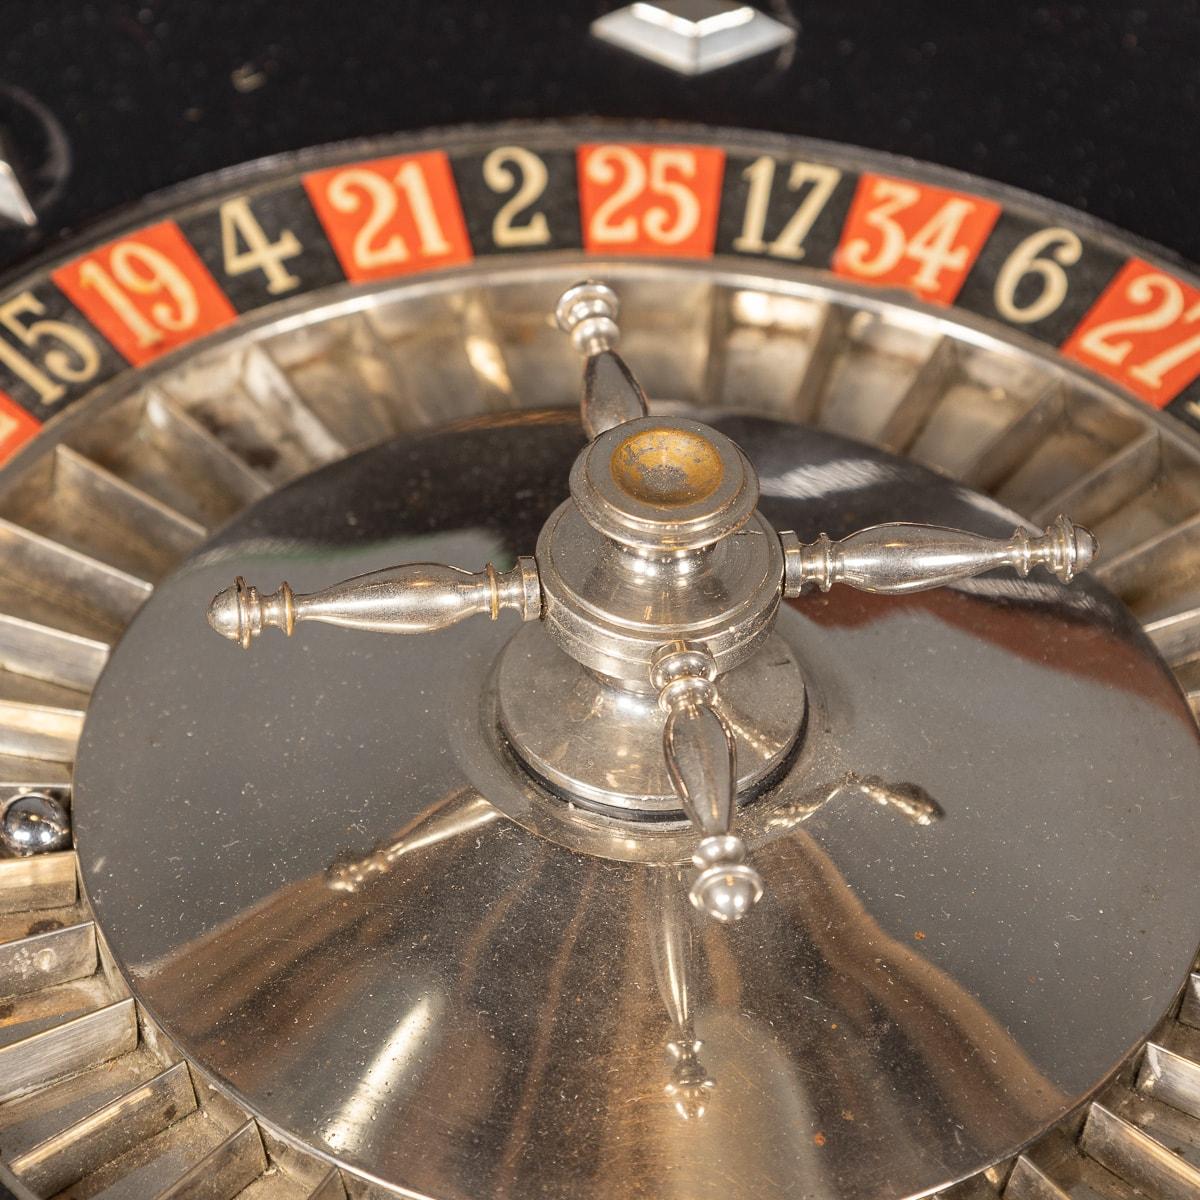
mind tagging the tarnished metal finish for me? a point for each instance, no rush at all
(64, 1049)
(485, 1016)
(144, 1111)
(664, 484)
(41, 881)
(896, 558)
(51, 956)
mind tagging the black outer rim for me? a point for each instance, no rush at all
(255, 172)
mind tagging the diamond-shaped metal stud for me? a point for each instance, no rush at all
(693, 36)
(15, 208)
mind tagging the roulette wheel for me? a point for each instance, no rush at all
(814, 816)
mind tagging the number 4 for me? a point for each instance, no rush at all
(261, 254)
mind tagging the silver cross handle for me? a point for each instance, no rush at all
(650, 497)
(888, 559)
(413, 598)
(587, 314)
(896, 558)
(701, 754)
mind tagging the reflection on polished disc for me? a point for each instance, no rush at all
(360, 920)
(1029, 375)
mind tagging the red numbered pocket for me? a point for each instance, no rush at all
(659, 200)
(147, 293)
(392, 216)
(909, 235)
(1143, 333)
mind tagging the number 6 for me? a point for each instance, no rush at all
(1025, 260)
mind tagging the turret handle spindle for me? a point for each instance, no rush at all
(897, 558)
(413, 598)
(611, 394)
(701, 755)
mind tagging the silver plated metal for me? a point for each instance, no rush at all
(413, 598)
(483, 1013)
(995, 412)
(657, 572)
(611, 609)
(587, 313)
(15, 206)
(648, 548)
(701, 752)
(34, 823)
(602, 744)
(693, 37)
(897, 558)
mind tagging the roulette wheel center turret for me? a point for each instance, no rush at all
(656, 579)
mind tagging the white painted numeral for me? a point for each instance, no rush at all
(372, 249)
(530, 184)
(1065, 250)
(664, 224)
(932, 246)
(1167, 297)
(760, 174)
(73, 357)
(141, 270)
(240, 225)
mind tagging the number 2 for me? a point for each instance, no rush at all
(534, 177)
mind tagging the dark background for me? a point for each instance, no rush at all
(1095, 105)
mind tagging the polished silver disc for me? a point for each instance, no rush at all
(321, 874)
